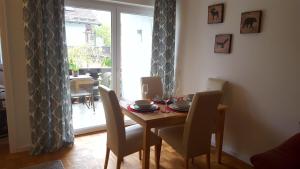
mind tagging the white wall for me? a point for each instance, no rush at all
(263, 70)
(18, 116)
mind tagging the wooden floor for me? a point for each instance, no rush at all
(89, 152)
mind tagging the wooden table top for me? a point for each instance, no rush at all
(159, 117)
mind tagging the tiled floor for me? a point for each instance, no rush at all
(84, 117)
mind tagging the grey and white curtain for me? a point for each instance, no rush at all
(163, 44)
(47, 69)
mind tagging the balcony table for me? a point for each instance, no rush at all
(80, 79)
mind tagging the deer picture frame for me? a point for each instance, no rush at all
(215, 14)
(223, 43)
(251, 22)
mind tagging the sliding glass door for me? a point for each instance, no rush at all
(89, 43)
(110, 44)
(135, 55)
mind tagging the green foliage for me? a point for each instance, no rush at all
(73, 59)
(86, 56)
(106, 62)
(104, 31)
(73, 66)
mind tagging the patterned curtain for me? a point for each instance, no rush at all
(47, 69)
(163, 44)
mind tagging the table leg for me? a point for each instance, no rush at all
(220, 134)
(146, 147)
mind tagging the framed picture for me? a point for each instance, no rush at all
(251, 22)
(215, 14)
(223, 43)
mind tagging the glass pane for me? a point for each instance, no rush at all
(136, 50)
(88, 37)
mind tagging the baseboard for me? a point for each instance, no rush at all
(229, 150)
(4, 140)
(237, 155)
(23, 148)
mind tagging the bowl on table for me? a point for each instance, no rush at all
(181, 105)
(189, 97)
(144, 104)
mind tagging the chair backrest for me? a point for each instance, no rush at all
(216, 84)
(199, 123)
(155, 87)
(114, 119)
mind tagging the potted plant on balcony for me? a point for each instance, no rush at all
(74, 68)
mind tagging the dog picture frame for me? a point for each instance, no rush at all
(223, 43)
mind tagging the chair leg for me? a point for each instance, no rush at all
(208, 160)
(140, 154)
(106, 157)
(157, 153)
(156, 131)
(119, 160)
(186, 163)
(93, 102)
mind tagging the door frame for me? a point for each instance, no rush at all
(103, 6)
(8, 82)
(116, 9)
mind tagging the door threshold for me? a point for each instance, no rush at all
(97, 129)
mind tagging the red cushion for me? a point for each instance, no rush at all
(285, 156)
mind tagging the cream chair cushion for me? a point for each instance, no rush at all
(134, 139)
(173, 136)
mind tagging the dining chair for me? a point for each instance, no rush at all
(216, 84)
(155, 87)
(194, 137)
(219, 85)
(83, 89)
(122, 140)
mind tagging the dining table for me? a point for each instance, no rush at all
(163, 117)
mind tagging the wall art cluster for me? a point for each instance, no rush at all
(250, 23)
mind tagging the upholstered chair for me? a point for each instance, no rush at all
(284, 156)
(122, 140)
(194, 137)
(216, 84)
(155, 87)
